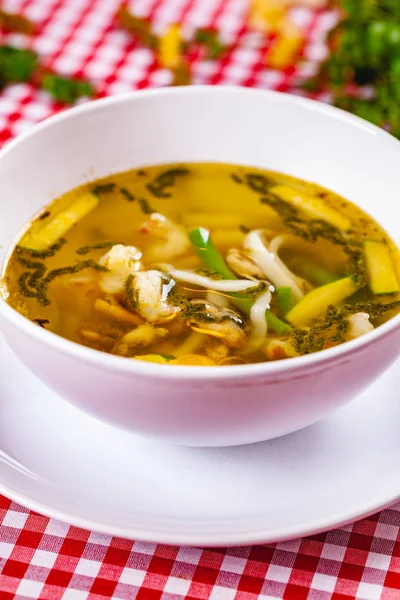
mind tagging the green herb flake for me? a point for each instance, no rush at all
(99, 246)
(130, 292)
(103, 188)
(236, 178)
(44, 282)
(159, 186)
(126, 193)
(41, 322)
(258, 183)
(22, 250)
(209, 273)
(145, 207)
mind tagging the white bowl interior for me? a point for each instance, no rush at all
(230, 125)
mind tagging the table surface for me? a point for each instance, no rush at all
(45, 559)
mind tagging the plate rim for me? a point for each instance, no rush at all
(240, 539)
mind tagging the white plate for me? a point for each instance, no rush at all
(63, 463)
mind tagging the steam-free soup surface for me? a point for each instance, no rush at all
(204, 264)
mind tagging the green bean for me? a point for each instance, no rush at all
(314, 273)
(208, 253)
(212, 259)
(284, 299)
(276, 325)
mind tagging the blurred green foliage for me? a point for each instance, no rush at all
(363, 70)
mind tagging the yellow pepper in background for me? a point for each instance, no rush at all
(273, 16)
(285, 48)
(170, 47)
(267, 15)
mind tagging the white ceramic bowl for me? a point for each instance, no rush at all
(188, 405)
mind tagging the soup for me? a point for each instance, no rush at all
(204, 264)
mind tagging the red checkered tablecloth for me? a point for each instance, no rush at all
(44, 559)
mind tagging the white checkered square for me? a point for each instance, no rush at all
(71, 594)
(144, 547)
(43, 558)
(177, 586)
(30, 589)
(189, 555)
(99, 538)
(222, 593)
(369, 591)
(233, 564)
(323, 583)
(57, 528)
(134, 577)
(87, 567)
(6, 549)
(278, 573)
(387, 532)
(15, 519)
(376, 560)
(333, 552)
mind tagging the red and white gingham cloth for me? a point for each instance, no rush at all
(44, 559)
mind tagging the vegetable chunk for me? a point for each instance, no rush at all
(311, 206)
(381, 274)
(49, 234)
(316, 302)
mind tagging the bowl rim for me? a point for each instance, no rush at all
(318, 360)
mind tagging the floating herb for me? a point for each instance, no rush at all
(103, 188)
(313, 339)
(44, 282)
(333, 327)
(41, 322)
(98, 246)
(127, 194)
(311, 230)
(244, 229)
(44, 215)
(28, 282)
(42, 253)
(145, 207)
(209, 273)
(236, 178)
(258, 183)
(158, 187)
(131, 296)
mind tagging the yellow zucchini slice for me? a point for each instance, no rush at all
(313, 304)
(153, 358)
(193, 360)
(52, 231)
(312, 206)
(381, 273)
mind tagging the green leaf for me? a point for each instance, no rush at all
(17, 65)
(66, 90)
